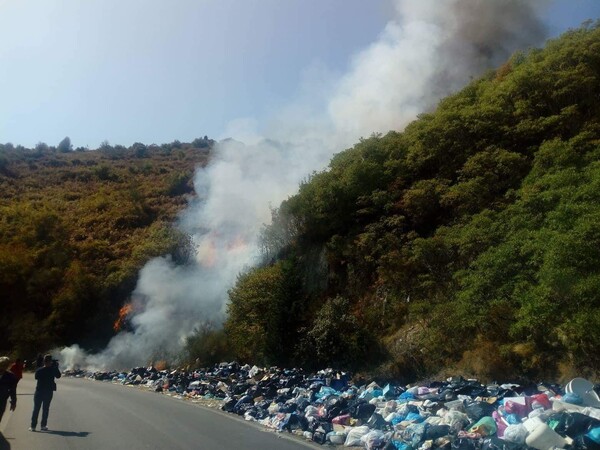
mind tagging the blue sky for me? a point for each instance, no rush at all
(155, 70)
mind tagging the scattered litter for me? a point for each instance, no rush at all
(327, 408)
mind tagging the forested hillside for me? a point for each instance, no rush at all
(75, 228)
(468, 242)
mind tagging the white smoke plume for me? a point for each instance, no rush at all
(428, 50)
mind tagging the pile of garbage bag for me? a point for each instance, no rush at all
(328, 408)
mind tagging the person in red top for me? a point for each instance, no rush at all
(17, 369)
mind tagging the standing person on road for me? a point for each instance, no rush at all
(44, 391)
(17, 369)
(8, 386)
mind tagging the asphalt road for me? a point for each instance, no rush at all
(93, 415)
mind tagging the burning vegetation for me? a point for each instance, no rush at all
(123, 318)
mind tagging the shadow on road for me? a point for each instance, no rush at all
(4, 444)
(66, 433)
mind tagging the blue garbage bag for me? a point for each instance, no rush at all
(400, 445)
(326, 391)
(414, 417)
(406, 396)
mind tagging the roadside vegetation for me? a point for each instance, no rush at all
(469, 242)
(76, 225)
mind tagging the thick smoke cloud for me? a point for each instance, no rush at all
(430, 49)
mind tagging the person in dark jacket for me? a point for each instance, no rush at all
(44, 391)
(8, 386)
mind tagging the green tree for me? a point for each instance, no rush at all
(65, 145)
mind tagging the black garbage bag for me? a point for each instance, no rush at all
(465, 444)
(269, 391)
(470, 388)
(342, 403)
(240, 388)
(229, 405)
(444, 395)
(261, 413)
(241, 409)
(575, 424)
(245, 399)
(362, 411)
(288, 408)
(528, 388)
(320, 424)
(585, 443)
(495, 443)
(433, 432)
(264, 404)
(332, 400)
(477, 410)
(296, 421)
(302, 404)
(319, 437)
(333, 412)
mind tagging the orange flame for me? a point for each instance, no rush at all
(208, 253)
(208, 249)
(123, 313)
(237, 244)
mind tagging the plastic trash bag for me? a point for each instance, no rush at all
(414, 434)
(389, 408)
(456, 420)
(464, 444)
(585, 443)
(362, 411)
(326, 391)
(414, 417)
(406, 396)
(320, 437)
(294, 422)
(228, 405)
(399, 445)
(594, 434)
(516, 434)
(341, 420)
(494, 443)
(541, 400)
(433, 432)
(477, 410)
(517, 406)
(501, 423)
(310, 411)
(336, 437)
(273, 408)
(354, 435)
(435, 420)
(377, 422)
(373, 439)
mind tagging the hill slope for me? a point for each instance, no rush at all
(469, 241)
(76, 227)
